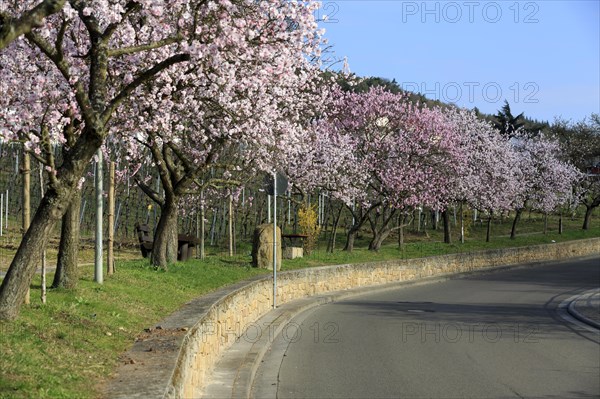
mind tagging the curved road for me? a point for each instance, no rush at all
(485, 335)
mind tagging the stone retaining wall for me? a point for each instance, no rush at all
(220, 323)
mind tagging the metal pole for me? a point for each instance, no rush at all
(6, 218)
(319, 220)
(154, 208)
(289, 221)
(98, 277)
(202, 226)
(268, 209)
(274, 240)
(230, 225)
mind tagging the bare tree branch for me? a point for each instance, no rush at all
(11, 29)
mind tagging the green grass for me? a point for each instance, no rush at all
(69, 347)
(417, 247)
(65, 348)
(529, 232)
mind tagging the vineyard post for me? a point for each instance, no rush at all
(274, 239)
(26, 201)
(98, 277)
(110, 257)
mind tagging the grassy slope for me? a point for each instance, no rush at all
(60, 349)
(69, 347)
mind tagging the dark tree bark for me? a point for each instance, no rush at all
(560, 224)
(378, 239)
(164, 248)
(591, 199)
(66, 275)
(588, 217)
(489, 229)
(446, 218)
(360, 217)
(333, 236)
(24, 264)
(164, 251)
(513, 231)
(350, 238)
(10, 29)
(401, 233)
(383, 230)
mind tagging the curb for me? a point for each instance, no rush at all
(583, 301)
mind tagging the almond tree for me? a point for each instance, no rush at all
(547, 181)
(101, 52)
(244, 102)
(581, 144)
(407, 152)
(487, 179)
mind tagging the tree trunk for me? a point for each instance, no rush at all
(560, 224)
(68, 250)
(489, 229)
(446, 218)
(588, 217)
(360, 217)
(51, 209)
(381, 233)
(401, 235)
(353, 231)
(349, 247)
(24, 264)
(462, 224)
(332, 238)
(379, 238)
(513, 231)
(164, 250)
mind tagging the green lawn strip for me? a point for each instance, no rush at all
(419, 248)
(69, 347)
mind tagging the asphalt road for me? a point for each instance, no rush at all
(485, 335)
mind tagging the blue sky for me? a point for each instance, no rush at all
(541, 56)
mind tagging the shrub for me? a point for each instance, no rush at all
(307, 220)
